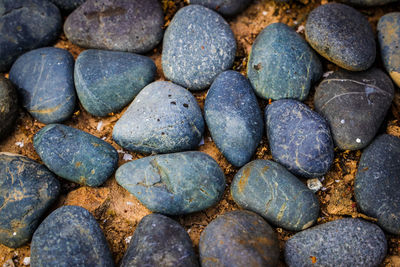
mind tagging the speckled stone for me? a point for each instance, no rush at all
(132, 26)
(268, 189)
(238, 238)
(389, 41)
(106, 81)
(354, 104)
(226, 8)
(299, 138)
(27, 190)
(159, 241)
(75, 155)
(8, 107)
(282, 64)
(174, 184)
(26, 25)
(163, 118)
(67, 5)
(345, 242)
(44, 79)
(233, 117)
(367, 3)
(70, 236)
(377, 182)
(198, 45)
(342, 35)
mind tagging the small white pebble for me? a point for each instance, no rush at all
(300, 29)
(129, 203)
(264, 13)
(314, 184)
(15, 233)
(295, 22)
(189, 230)
(128, 239)
(323, 189)
(20, 144)
(358, 140)
(104, 138)
(337, 181)
(326, 74)
(99, 126)
(209, 139)
(127, 157)
(342, 121)
(322, 179)
(120, 151)
(27, 261)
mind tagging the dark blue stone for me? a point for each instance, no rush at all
(44, 79)
(345, 242)
(177, 183)
(377, 182)
(299, 138)
(106, 81)
(75, 155)
(163, 118)
(281, 64)
(67, 5)
(238, 238)
(227, 8)
(198, 45)
(160, 241)
(233, 117)
(27, 190)
(8, 107)
(70, 236)
(268, 189)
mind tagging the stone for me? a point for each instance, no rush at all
(238, 238)
(70, 236)
(299, 138)
(75, 155)
(198, 45)
(163, 118)
(267, 188)
(107, 81)
(132, 26)
(27, 190)
(233, 117)
(342, 35)
(367, 3)
(67, 5)
(354, 104)
(8, 107)
(377, 182)
(160, 241)
(174, 184)
(226, 8)
(389, 41)
(26, 25)
(344, 242)
(297, 69)
(44, 80)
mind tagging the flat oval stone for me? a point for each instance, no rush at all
(132, 26)
(299, 138)
(44, 79)
(8, 107)
(389, 41)
(342, 35)
(163, 118)
(238, 238)
(227, 8)
(75, 155)
(367, 3)
(233, 117)
(27, 190)
(67, 5)
(174, 184)
(160, 241)
(345, 242)
(268, 189)
(198, 45)
(70, 234)
(354, 104)
(26, 25)
(298, 68)
(377, 182)
(107, 81)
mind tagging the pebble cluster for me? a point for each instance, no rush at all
(164, 121)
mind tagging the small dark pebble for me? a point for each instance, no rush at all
(8, 107)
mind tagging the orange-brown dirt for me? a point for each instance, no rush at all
(118, 212)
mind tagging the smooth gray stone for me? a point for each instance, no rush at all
(8, 107)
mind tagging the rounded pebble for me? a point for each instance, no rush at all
(67, 5)
(226, 8)
(8, 107)
(368, 3)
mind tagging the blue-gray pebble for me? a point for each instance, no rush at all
(107, 81)
(70, 236)
(159, 241)
(281, 64)
(344, 242)
(8, 107)
(267, 188)
(367, 3)
(299, 138)
(27, 190)
(67, 5)
(174, 184)
(45, 80)
(163, 118)
(198, 45)
(26, 25)
(233, 117)
(75, 155)
(377, 182)
(226, 8)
